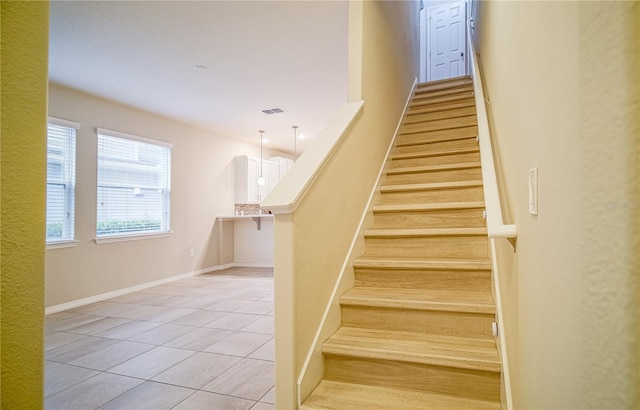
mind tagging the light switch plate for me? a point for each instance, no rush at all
(533, 191)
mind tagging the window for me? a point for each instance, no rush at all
(61, 180)
(134, 185)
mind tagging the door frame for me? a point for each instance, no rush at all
(427, 60)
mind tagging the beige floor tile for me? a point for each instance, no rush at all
(71, 321)
(197, 370)
(140, 312)
(233, 321)
(270, 397)
(252, 295)
(165, 314)
(171, 301)
(198, 339)
(202, 302)
(150, 363)
(106, 308)
(112, 355)
(138, 298)
(234, 381)
(58, 377)
(264, 324)
(162, 334)
(129, 329)
(202, 400)
(72, 351)
(98, 326)
(263, 406)
(91, 393)
(239, 344)
(265, 352)
(57, 339)
(149, 396)
(169, 290)
(198, 318)
(230, 305)
(55, 317)
(258, 308)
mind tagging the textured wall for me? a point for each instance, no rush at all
(24, 119)
(562, 84)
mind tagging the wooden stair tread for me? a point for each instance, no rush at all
(427, 207)
(423, 94)
(428, 154)
(444, 82)
(411, 347)
(445, 98)
(423, 232)
(432, 168)
(443, 106)
(420, 299)
(419, 263)
(334, 395)
(434, 140)
(429, 186)
(442, 124)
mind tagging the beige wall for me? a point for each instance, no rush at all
(202, 188)
(24, 120)
(562, 81)
(312, 243)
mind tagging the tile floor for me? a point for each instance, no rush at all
(200, 343)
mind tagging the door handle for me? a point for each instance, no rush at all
(461, 54)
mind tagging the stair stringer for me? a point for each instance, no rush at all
(312, 370)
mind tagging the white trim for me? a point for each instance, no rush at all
(117, 134)
(119, 292)
(125, 238)
(348, 257)
(251, 265)
(503, 343)
(61, 244)
(63, 123)
(495, 224)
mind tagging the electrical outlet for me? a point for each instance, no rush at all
(192, 252)
(533, 191)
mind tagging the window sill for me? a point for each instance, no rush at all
(61, 244)
(126, 238)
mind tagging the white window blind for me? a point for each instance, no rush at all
(134, 185)
(61, 179)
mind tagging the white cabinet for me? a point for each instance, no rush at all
(284, 165)
(247, 173)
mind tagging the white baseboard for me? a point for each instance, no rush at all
(252, 265)
(115, 293)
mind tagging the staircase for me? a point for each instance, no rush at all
(416, 328)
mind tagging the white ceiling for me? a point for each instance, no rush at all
(260, 55)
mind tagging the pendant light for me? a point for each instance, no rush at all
(261, 180)
(295, 139)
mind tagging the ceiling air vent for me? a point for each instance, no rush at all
(273, 111)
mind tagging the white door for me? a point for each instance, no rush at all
(447, 41)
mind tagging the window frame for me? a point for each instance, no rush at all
(165, 230)
(68, 181)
